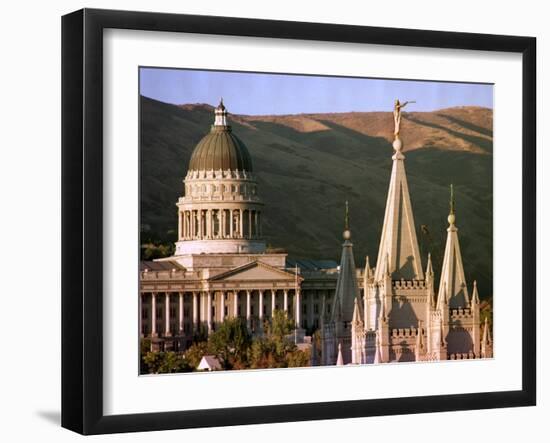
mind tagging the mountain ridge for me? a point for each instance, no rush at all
(308, 164)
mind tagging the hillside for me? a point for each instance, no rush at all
(309, 164)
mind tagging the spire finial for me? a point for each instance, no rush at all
(347, 232)
(451, 218)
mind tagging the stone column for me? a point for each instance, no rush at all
(222, 306)
(249, 223)
(241, 224)
(167, 332)
(154, 315)
(201, 234)
(222, 222)
(195, 311)
(209, 224)
(261, 307)
(235, 304)
(248, 308)
(209, 311)
(285, 301)
(181, 300)
(192, 217)
(231, 215)
(256, 224)
(298, 307)
(273, 297)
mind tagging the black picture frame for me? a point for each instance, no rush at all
(82, 215)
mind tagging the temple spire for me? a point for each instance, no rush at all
(453, 281)
(398, 238)
(347, 289)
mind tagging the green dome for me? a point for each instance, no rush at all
(220, 149)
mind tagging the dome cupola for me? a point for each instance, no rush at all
(221, 210)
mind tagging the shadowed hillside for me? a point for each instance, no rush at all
(308, 165)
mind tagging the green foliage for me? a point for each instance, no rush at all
(195, 352)
(230, 343)
(275, 349)
(165, 362)
(298, 359)
(151, 251)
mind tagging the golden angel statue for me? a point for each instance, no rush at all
(397, 115)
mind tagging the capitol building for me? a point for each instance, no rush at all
(389, 312)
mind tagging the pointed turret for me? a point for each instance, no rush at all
(398, 239)
(347, 289)
(340, 359)
(368, 270)
(429, 267)
(453, 280)
(475, 296)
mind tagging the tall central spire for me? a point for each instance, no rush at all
(398, 241)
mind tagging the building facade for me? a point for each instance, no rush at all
(222, 269)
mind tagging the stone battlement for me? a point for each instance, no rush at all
(461, 313)
(462, 356)
(404, 332)
(409, 284)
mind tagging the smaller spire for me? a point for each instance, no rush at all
(429, 267)
(368, 270)
(340, 360)
(475, 295)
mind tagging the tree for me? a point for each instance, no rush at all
(195, 352)
(230, 343)
(165, 362)
(275, 349)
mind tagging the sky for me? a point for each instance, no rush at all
(261, 94)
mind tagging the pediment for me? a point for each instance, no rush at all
(256, 271)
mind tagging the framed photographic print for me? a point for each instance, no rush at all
(269, 221)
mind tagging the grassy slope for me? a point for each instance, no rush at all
(308, 165)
